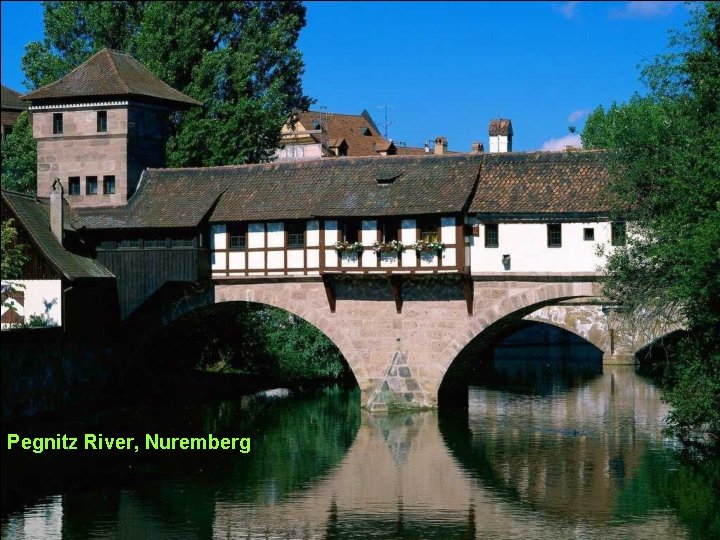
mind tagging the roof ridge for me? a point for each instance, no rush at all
(320, 162)
(13, 192)
(115, 68)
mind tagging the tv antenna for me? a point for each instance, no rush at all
(386, 124)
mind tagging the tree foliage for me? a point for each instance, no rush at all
(13, 254)
(19, 157)
(249, 339)
(239, 58)
(665, 159)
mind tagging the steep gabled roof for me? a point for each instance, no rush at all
(111, 73)
(542, 183)
(10, 100)
(34, 216)
(361, 134)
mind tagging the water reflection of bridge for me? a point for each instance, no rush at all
(513, 466)
(540, 479)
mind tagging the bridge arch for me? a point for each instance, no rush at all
(491, 321)
(184, 302)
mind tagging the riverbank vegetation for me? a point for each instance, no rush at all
(664, 150)
(252, 341)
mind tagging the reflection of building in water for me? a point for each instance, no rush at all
(512, 466)
(400, 476)
(571, 454)
(46, 516)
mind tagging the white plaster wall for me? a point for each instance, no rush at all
(256, 235)
(42, 298)
(256, 260)
(408, 237)
(237, 260)
(218, 238)
(312, 236)
(331, 258)
(275, 259)
(331, 232)
(295, 258)
(448, 257)
(369, 232)
(369, 258)
(408, 231)
(276, 234)
(313, 258)
(447, 230)
(526, 243)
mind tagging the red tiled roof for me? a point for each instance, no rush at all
(111, 74)
(542, 183)
(351, 127)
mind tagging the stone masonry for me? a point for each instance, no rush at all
(400, 359)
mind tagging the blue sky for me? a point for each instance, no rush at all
(447, 68)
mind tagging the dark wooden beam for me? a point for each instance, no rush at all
(468, 292)
(330, 292)
(396, 288)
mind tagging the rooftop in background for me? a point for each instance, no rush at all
(358, 131)
(111, 74)
(11, 100)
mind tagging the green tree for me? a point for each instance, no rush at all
(239, 58)
(19, 157)
(664, 152)
(13, 254)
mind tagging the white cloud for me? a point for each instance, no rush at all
(577, 115)
(555, 145)
(644, 10)
(568, 9)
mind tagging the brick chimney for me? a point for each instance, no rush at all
(56, 210)
(477, 148)
(440, 146)
(501, 133)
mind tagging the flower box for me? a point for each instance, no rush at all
(428, 247)
(348, 247)
(388, 247)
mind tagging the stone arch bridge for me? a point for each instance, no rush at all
(400, 338)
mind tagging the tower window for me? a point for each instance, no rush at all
(74, 185)
(57, 123)
(102, 121)
(589, 234)
(109, 185)
(91, 185)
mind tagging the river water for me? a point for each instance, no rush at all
(550, 447)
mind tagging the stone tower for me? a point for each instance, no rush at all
(99, 126)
